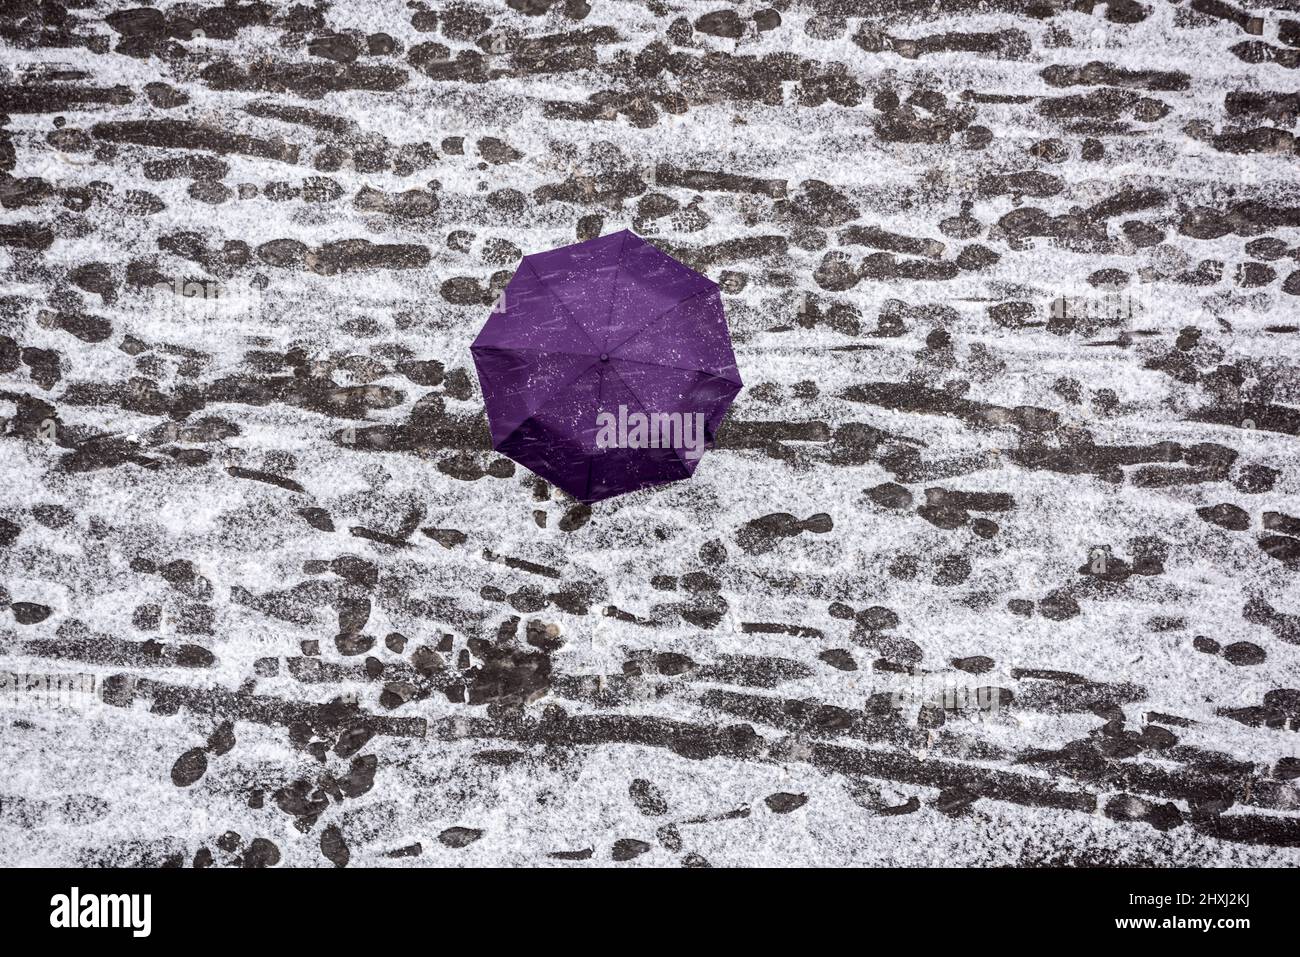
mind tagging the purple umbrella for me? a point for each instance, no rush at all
(606, 367)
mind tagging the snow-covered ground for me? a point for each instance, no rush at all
(995, 561)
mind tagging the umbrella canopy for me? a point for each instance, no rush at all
(606, 367)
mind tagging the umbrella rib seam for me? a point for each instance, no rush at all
(655, 321)
(613, 291)
(573, 319)
(545, 352)
(558, 390)
(664, 365)
(645, 411)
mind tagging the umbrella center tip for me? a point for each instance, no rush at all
(604, 357)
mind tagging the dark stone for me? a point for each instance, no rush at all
(890, 495)
(1226, 515)
(1058, 606)
(976, 665)
(1244, 653)
(782, 802)
(627, 848)
(189, 767)
(334, 847)
(647, 798)
(839, 658)
(29, 613)
(721, 23)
